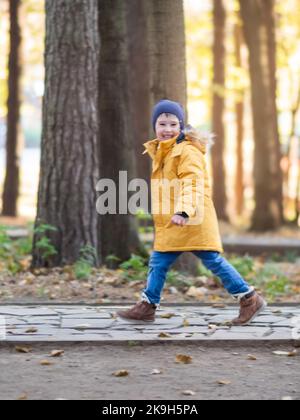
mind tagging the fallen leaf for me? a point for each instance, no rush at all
(197, 292)
(57, 353)
(20, 349)
(121, 373)
(164, 335)
(186, 323)
(82, 326)
(188, 392)
(212, 327)
(251, 357)
(46, 363)
(156, 372)
(167, 315)
(219, 305)
(224, 382)
(31, 330)
(23, 397)
(285, 353)
(183, 358)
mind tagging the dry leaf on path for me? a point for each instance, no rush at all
(121, 373)
(183, 358)
(31, 330)
(224, 382)
(57, 353)
(285, 353)
(167, 315)
(23, 397)
(46, 363)
(164, 335)
(156, 372)
(188, 392)
(20, 349)
(251, 357)
(186, 323)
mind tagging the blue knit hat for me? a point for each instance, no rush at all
(166, 106)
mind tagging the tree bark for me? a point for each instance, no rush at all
(239, 110)
(139, 81)
(167, 51)
(119, 232)
(13, 143)
(219, 174)
(259, 28)
(69, 156)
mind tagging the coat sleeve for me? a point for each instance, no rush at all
(190, 172)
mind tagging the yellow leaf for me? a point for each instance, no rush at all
(31, 330)
(45, 363)
(167, 315)
(57, 353)
(23, 349)
(164, 335)
(23, 397)
(183, 358)
(186, 323)
(121, 373)
(224, 382)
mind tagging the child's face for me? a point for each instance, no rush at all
(167, 126)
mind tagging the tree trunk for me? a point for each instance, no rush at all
(69, 157)
(239, 110)
(259, 28)
(139, 80)
(168, 70)
(119, 232)
(13, 145)
(219, 174)
(167, 51)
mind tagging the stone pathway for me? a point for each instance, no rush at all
(62, 323)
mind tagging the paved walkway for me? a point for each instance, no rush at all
(29, 324)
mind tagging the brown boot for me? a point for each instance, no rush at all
(249, 309)
(142, 311)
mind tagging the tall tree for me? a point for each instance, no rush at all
(69, 157)
(219, 174)
(119, 232)
(13, 144)
(167, 52)
(139, 81)
(259, 28)
(239, 111)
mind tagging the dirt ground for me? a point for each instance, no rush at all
(86, 372)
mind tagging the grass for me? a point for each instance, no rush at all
(15, 257)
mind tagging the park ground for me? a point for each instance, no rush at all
(87, 372)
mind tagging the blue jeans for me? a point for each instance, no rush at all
(160, 263)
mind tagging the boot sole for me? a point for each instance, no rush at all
(261, 309)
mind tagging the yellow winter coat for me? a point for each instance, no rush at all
(182, 163)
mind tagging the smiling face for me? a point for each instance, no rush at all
(167, 126)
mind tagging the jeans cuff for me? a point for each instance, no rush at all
(239, 296)
(146, 299)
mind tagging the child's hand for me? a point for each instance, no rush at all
(179, 220)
